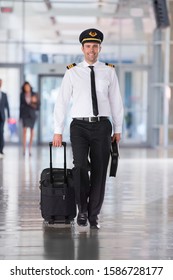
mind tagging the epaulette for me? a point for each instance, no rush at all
(71, 65)
(111, 65)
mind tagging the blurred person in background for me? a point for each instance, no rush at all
(3, 106)
(29, 104)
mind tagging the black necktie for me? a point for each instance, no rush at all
(93, 92)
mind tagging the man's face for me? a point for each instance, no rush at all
(0, 83)
(91, 51)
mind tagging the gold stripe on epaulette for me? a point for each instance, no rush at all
(111, 65)
(71, 65)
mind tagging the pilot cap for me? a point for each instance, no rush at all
(91, 35)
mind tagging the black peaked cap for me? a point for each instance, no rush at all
(91, 35)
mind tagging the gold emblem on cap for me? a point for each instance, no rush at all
(93, 34)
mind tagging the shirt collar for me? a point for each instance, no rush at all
(86, 64)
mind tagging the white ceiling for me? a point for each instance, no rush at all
(59, 23)
(63, 20)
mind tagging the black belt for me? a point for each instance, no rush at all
(92, 119)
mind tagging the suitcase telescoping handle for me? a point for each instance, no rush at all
(65, 162)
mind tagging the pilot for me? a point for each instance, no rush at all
(97, 114)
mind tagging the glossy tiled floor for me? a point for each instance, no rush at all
(136, 219)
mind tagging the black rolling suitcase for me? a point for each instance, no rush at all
(57, 193)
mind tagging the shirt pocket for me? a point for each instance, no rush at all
(102, 87)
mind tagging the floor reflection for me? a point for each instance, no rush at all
(59, 242)
(136, 219)
(63, 242)
(88, 246)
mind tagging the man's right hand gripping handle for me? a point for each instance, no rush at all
(57, 140)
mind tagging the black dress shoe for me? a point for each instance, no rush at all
(82, 219)
(94, 225)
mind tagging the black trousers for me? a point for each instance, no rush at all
(1, 135)
(91, 140)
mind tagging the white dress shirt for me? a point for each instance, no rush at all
(76, 84)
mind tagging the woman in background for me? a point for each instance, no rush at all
(28, 106)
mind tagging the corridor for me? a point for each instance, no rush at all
(136, 219)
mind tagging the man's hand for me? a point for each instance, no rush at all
(57, 140)
(116, 137)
